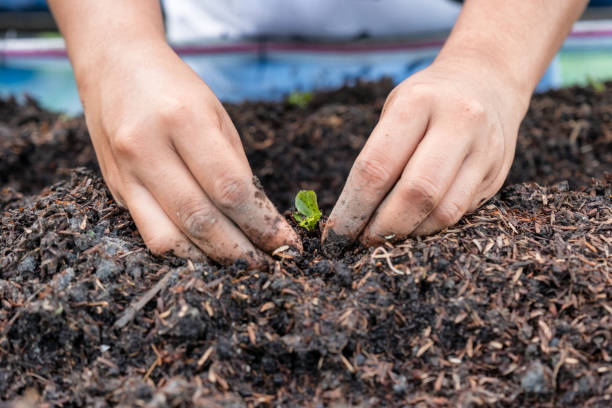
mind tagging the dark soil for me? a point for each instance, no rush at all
(511, 307)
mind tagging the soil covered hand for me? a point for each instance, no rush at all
(170, 153)
(443, 145)
(446, 136)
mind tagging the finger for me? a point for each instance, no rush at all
(493, 182)
(458, 199)
(424, 182)
(186, 204)
(158, 232)
(374, 172)
(109, 169)
(226, 177)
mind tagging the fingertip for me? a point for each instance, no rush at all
(369, 241)
(293, 238)
(259, 260)
(334, 244)
(297, 244)
(428, 227)
(371, 238)
(187, 250)
(422, 232)
(328, 224)
(274, 235)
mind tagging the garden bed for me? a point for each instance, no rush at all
(511, 307)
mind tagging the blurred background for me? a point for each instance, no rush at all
(33, 59)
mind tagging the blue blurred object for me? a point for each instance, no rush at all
(23, 5)
(238, 71)
(236, 76)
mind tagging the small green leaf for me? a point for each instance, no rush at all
(299, 99)
(597, 85)
(306, 203)
(308, 213)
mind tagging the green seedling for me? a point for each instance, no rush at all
(597, 85)
(299, 99)
(308, 213)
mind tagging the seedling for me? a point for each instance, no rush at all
(299, 99)
(597, 85)
(308, 213)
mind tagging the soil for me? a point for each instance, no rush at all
(511, 307)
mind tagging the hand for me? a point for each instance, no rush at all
(170, 153)
(443, 146)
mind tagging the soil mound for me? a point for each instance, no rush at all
(511, 307)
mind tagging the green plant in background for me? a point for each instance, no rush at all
(299, 99)
(308, 213)
(48, 34)
(597, 85)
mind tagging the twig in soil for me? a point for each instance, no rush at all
(385, 255)
(38, 377)
(133, 252)
(134, 307)
(205, 356)
(216, 379)
(157, 362)
(347, 364)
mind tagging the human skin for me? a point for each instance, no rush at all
(170, 154)
(446, 136)
(166, 146)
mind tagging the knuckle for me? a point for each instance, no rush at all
(127, 142)
(420, 93)
(424, 191)
(471, 110)
(174, 113)
(372, 172)
(449, 213)
(402, 98)
(230, 191)
(391, 100)
(198, 220)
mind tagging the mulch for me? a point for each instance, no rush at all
(510, 307)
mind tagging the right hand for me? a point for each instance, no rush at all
(170, 153)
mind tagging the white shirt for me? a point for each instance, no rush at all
(197, 20)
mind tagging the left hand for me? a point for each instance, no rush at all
(443, 146)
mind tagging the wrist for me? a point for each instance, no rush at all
(93, 65)
(492, 73)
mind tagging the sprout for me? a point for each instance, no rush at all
(299, 99)
(597, 85)
(308, 213)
